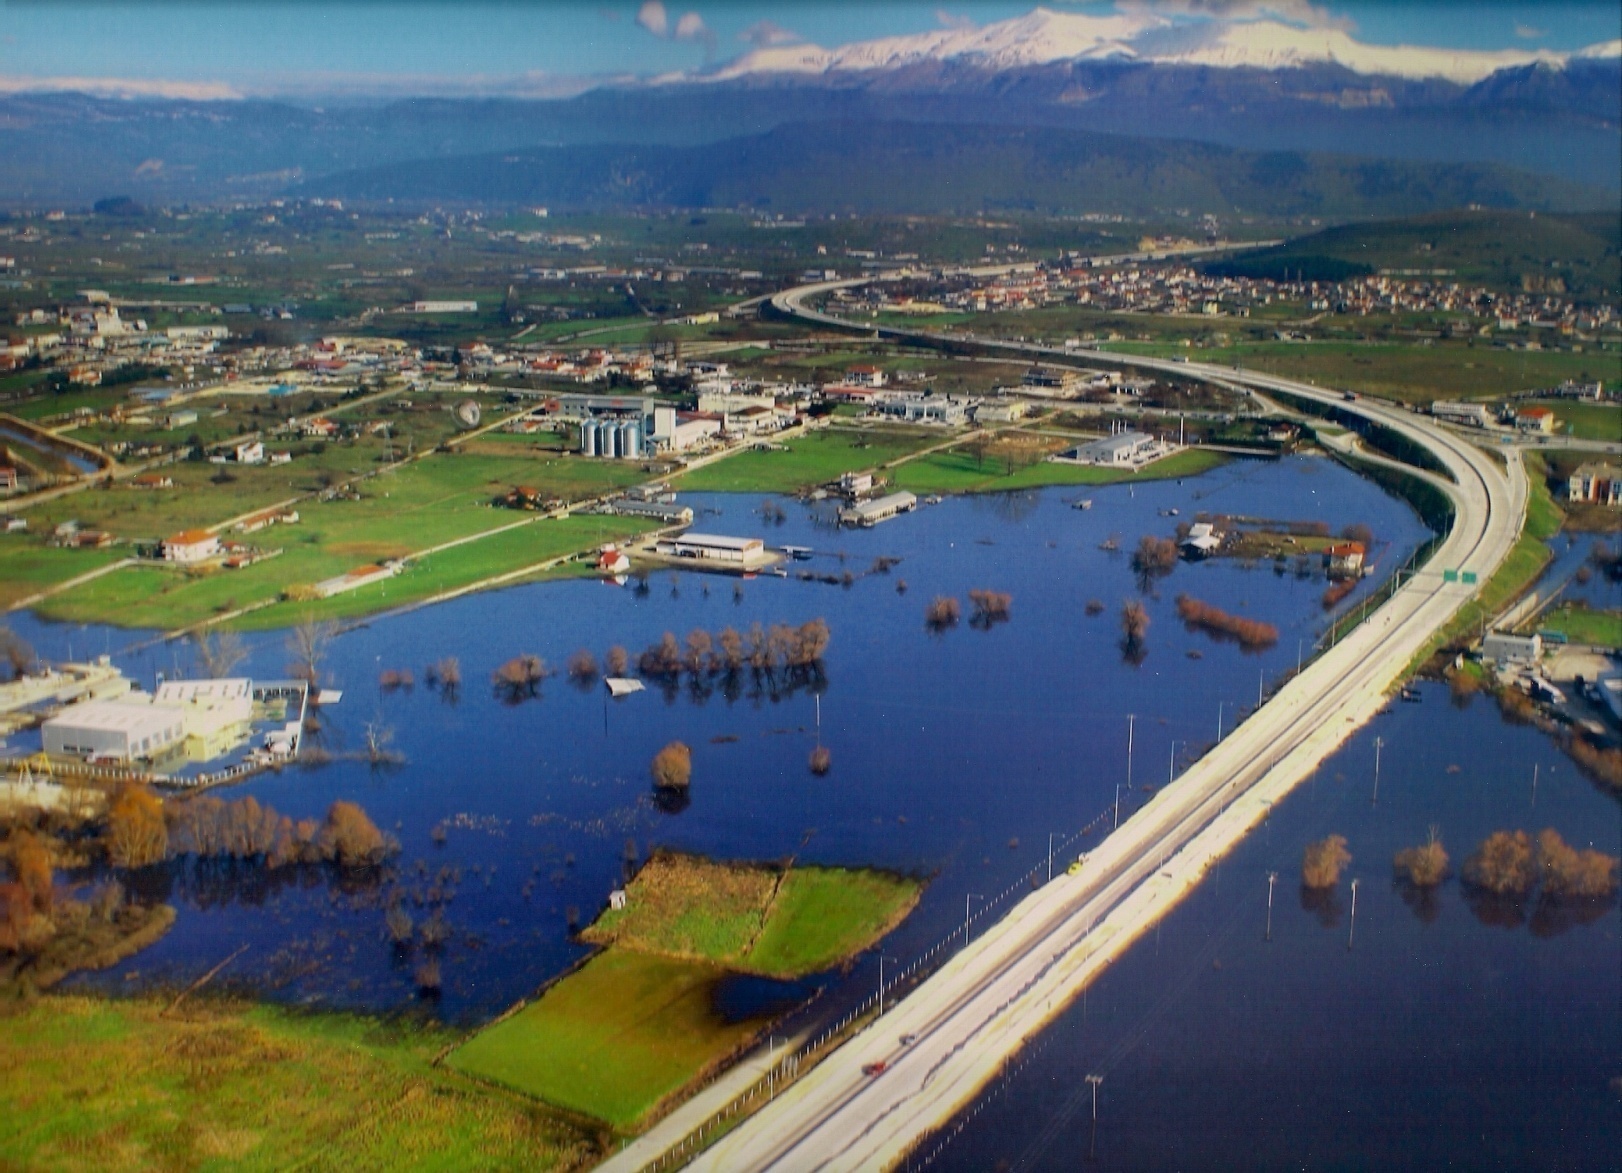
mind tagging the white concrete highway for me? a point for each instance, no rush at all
(977, 1011)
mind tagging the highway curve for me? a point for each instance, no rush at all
(972, 1015)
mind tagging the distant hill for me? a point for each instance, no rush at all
(1577, 254)
(931, 168)
(66, 148)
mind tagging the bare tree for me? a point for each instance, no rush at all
(220, 651)
(309, 642)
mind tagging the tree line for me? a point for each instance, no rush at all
(1250, 634)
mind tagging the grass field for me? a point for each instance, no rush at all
(439, 499)
(112, 1086)
(741, 916)
(1589, 421)
(28, 566)
(823, 915)
(612, 1040)
(809, 460)
(957, 470)
(1583, 625)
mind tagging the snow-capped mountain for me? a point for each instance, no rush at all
(1044, 37)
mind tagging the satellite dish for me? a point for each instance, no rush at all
(467, 414)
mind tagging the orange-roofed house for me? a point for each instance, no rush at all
(192, 545)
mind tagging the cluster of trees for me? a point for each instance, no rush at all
(582, 667)
(728, 652)
(1604, 764)
(15, 653)
(519, 677)
(1323, 861)
(141, 830)
(393, 678)
(1336, 591)
(1512, 863)
(1251, 634)
(672, 767)
(989, 606)
(29, 895)
(445, 675)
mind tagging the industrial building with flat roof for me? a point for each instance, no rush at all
(870, 513)
(713, 548)
(121, 730)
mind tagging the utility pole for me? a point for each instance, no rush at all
(1535, 783)
(1050, 857)
(1171, 767)
(1131, 720)
(1219, 719)
(1272, 878)
(881, 983)
(1095, 1080)
(1261, 685)
(1379, 744)
(968, 896)
(1117, 804)
(1298, 644)
(771, 1070)
(1350, 932)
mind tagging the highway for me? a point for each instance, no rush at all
(979, 1009)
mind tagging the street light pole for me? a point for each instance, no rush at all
(1050, 857)
(1131, 721)
(1095, 1080)
(1219, 719)
(1171, 767)
(1379, 744)
(1352, 930)
(968, 896)
(1272, 878)
(881, 982)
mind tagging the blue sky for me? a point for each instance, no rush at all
(283, 45)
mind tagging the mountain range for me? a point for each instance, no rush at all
(1258, 86)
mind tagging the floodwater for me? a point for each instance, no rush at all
(1437, 1031)
(955, 755)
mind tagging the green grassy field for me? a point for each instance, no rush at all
(741, 916)
(959, 471)
(439, 499)
(1585, 626)
(823, 915)
(167, 598)
(612, 1040)
(809, 460)
(1589, 421)
(28, 566)
(114, 1086)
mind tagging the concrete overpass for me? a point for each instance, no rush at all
(978, 1010)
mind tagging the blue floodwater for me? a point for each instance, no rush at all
(1446, 1033)
(954, 755)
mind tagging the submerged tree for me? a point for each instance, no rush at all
(1502, 865)
(1154, 558)
(220, 651)
(618, 661)
(519, 677)
(943, 612)
(821, 761)
(583, 667)
(1567, 872)
(309, 642)
(137, 834)
(672, 767)
(1323, 861)
(1424, 866)
(989, 607)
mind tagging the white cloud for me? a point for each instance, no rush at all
(691, 27)
(1527, 33)
(764, 34)
(953, 20)
(652, 16)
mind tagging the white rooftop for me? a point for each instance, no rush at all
(181, 692)
(135, 714)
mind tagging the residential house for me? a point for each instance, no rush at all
(190, 546)
(1345, 559)
(1595, 482)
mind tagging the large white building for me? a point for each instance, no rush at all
(118, 730)
(713, 548)
(1122, 450)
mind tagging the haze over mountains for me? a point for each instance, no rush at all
(1259, 86)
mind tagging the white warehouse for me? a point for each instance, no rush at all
(121, 730)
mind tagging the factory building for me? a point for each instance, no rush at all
(713, 548)
(117, 730)
(869, 513)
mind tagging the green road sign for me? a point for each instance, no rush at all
(1450, 576)
(1469, 576)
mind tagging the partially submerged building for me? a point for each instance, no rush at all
(869, 513)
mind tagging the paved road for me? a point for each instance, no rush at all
(981, 1007)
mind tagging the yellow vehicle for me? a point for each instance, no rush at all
(1075, 868)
